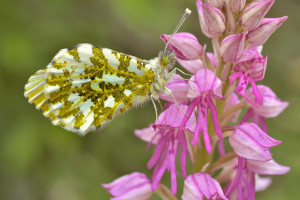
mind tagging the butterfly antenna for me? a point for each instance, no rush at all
(185, 15)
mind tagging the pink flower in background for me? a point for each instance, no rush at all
(132, 186)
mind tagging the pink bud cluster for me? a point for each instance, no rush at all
(223, 83)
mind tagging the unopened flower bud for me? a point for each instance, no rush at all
(185, 45)
(212, 20)
(236, 5)
(262, 33)
(232, 47)
(254, 13)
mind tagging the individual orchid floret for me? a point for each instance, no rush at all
(216, 3)
(250, 67)
(185, 45)
(262, 33)
(132, 186)
(202, 87)
(254, 13)
(179, 89)
(244, 185)
(171, 135)
(236, 5)
(200, 186)
(271, 107)
(212, 20)
(232, 47)
(250, 142)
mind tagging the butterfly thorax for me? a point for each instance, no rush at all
(161, 66)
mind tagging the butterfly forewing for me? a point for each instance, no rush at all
(85, 87)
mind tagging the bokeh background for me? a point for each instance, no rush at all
(40, 161)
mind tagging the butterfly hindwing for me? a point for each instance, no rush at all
(85, 87)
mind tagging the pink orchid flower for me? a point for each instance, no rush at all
(202, 87)
(200, 186)
(132, 186)
(250, 67)
(170, 137)
(271, 107)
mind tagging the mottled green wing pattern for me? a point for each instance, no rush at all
(85, 87)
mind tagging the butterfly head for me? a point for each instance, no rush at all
(167, 59)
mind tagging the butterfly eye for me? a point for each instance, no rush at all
(164, 61)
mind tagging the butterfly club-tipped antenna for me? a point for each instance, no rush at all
(185, 15)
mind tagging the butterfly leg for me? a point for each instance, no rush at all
(168, 91)
(182, 72)
(155, 108)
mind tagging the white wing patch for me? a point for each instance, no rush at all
(113, 79)
(110, 102)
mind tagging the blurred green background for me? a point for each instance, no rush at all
(40, 161)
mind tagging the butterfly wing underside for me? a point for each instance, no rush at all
(85, 87)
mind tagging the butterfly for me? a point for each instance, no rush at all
(85, 87)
